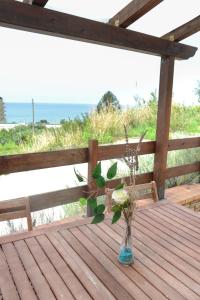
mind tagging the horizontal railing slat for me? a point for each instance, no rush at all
(66, 196)
(42, 160)
(182, 170)
(186, 143)
(56, 198)
(118, 150)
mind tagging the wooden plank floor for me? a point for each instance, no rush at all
(79, 260)
(184, 194)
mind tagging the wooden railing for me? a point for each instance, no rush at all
(34, 161)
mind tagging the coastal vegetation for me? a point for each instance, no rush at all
(105, 125)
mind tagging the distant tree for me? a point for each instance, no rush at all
(108, 100)
(2, 111)
(197, 90)
(44, 122)
(62, 121)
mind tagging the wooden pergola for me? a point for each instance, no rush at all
(78, 260)
(32, 16)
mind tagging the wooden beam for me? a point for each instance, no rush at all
(14, 14)
(132, 12)
(183, 170)
(117, 151)
(184, 31)
(163, 123)
(186, 143)
(66, 196)
(42, 160)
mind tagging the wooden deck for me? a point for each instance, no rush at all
(184, 194)
(79, 260)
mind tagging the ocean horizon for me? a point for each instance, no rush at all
(53, 113)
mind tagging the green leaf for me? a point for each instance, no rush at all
(97, 171)
(83, 201)
(112, 171)
(125, 204)
(79, 177)
(100, 181)
(99, 209)
(119, 186)
(116, 216)
(116, 208)
(98, 218)
(92, 202)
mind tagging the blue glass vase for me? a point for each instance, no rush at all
(126, 255)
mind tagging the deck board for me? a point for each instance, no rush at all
(7, 286)
(78, 260)
(63, 270)
(37, 279)
(19, 275)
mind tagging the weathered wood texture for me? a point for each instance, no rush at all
(65, 196)
(17, 15)
(163, 123)
(183, 170)
(34, 161)
(132, 12)
(60, 197)
(58, 263)
(186, 143)
(18, 208)
(116, 151)
(93, 150)
(184, 31)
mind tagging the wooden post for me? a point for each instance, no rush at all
(163, 123)
(92, 162)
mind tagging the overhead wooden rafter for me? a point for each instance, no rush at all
(184, 31)
(132, 12)
(14, 14)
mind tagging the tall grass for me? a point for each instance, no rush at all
(106, 126)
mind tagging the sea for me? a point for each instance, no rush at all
(52, 112)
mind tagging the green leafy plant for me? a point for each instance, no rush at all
(123, 200)
(99, 210)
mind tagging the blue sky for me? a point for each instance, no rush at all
(51, 69)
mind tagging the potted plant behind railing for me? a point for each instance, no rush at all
(123, 197)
